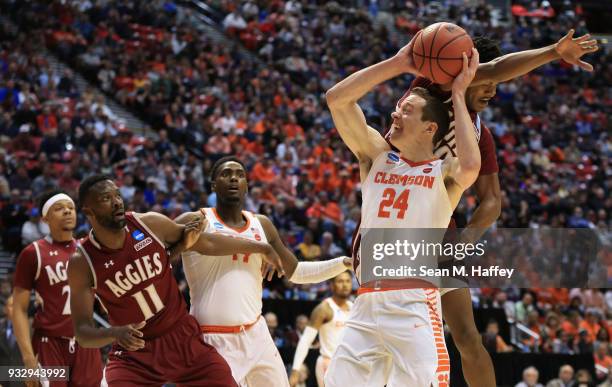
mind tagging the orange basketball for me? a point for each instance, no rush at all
(437, 51)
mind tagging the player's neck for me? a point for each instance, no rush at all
(61, 236)
(230, 213)
(110, 238)
(340, 301)
(416, 152)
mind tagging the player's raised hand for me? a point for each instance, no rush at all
(129, 336)
(465, 77)
(571, 49)
(405, 59)
(192, 231)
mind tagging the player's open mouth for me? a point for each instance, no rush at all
(485, 101)
(119, 214)
(233, 189)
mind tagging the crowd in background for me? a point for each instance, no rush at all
(205, 99)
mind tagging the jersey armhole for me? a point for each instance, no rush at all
(90, 263)
(38, 261)
(363, 183)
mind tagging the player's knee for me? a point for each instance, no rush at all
(468, 341)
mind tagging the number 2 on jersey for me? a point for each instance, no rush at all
(389, 201)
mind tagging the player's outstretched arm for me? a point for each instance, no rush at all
(220, 245)
(516, 64)
(462, 171)
(321, 314)
(81, 307)
(302, 272)
(364, 141)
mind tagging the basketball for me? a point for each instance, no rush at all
(438, 49)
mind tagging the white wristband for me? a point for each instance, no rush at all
(315, 272)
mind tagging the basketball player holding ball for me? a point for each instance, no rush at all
(457, 303)
(394, 333)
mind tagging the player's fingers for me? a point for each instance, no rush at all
(582, 38)
(140, 325)
(585, 66)
(475, 60)
(136, 332)
(569, 34)
(588, 43)
(465, 62)
(135, 342)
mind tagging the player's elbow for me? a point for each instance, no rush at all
(335, 98)
(494, 206)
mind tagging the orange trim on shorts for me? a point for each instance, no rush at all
(443, 367)
(385, 285)
(227, 328)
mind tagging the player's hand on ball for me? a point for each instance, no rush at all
(192, 232)
(294, 379)
(463, 80)
(571, 49)
(129, 336)
(405, 59)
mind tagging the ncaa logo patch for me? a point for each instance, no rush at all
(218, 225)
(393, 157)
(138, 235)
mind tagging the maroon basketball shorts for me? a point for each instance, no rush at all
(84, 364)
(180, 356)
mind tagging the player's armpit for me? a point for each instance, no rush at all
(454, 189)
(81, 281)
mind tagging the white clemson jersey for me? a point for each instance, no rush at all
(329, 333)
(399, 193)
(226, 290)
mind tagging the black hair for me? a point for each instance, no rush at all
(488, 49)
(45, 196)
(85, 187)
(217, 165)
(434, 110)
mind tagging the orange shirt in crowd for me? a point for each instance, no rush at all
(591, 329)
(292, 130)
(261, 173)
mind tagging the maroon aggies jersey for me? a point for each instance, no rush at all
(135, 283)
(42, 266)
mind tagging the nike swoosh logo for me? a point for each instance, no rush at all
(419, 325)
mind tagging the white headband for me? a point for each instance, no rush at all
(54, 199)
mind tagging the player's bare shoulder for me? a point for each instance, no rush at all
(78, 268)
(321, 314)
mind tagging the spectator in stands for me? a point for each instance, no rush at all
(530, 378)
(34, 229)
(275, 332)
(234, 21)
(584, 378)
(293, 335)
(308, 250)
(565, 379)
(493, 341)
(524, 307)
(9, 350)
(602, 358)
(13, 215)
(608, 381)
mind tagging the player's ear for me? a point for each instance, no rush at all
(432, 128)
